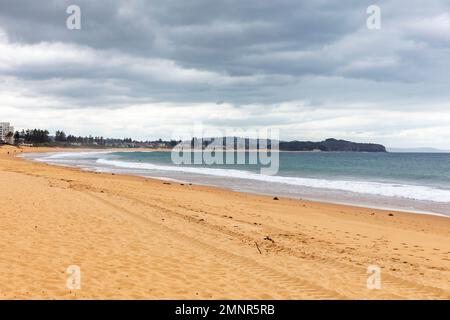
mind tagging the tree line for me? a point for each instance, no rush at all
(39, 136)
(32, 136)
(42, 137)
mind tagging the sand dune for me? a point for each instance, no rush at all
(136, 238)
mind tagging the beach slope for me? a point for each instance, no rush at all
(137, 238)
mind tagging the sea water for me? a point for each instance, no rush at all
(404, 181)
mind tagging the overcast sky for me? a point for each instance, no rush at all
(312, 69)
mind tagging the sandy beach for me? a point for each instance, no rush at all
(137, 238)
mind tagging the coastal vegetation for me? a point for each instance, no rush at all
(42, 137)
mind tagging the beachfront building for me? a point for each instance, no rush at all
(6, 133)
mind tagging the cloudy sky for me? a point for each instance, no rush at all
(312, 69)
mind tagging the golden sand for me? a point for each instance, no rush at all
(136, 238)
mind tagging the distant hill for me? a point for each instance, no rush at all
(331, 145)
(328, 145)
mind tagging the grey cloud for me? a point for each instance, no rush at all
(244, 53)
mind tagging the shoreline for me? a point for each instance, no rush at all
(140, 238)
(347, 202)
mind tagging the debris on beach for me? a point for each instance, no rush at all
(257, 247)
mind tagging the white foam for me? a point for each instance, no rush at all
(423, 193)
(64, 155)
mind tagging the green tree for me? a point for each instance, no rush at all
(60, 136)
(9, 136)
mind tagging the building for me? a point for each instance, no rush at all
(5, 133)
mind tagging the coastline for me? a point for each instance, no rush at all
(340, 193)
(143, 238)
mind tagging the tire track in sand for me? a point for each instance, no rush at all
(391, 284)
(283, 283)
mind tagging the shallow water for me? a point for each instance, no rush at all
(404, 181)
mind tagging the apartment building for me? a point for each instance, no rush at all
(5, 128)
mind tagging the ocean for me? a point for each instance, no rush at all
(418, 182)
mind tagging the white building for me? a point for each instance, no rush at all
(6, 128)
